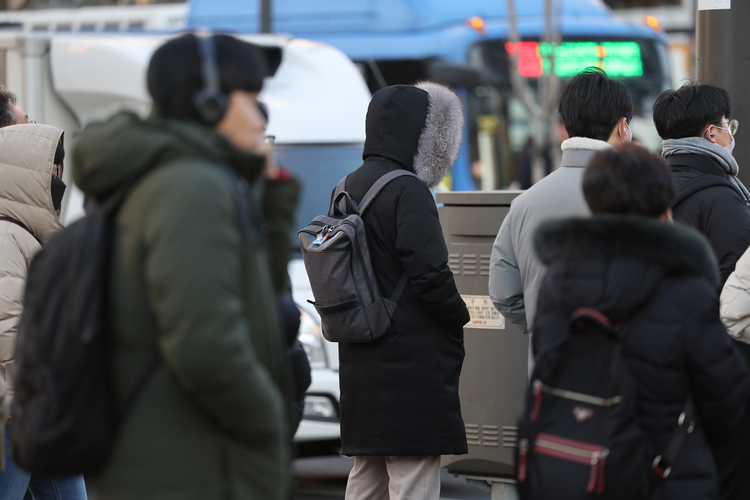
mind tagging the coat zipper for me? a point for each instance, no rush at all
(575, 451)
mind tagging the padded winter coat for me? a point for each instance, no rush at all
(677, 345)
(210, 423)
(26, 165)
(735, 300)
(399, 394)
(515, 270)
(718, 212)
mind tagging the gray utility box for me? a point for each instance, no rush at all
(494, 376)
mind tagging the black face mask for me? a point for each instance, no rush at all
(58, 190)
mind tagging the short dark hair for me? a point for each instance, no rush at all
(175, 76)
(628, 181)
(686, 112)
(591, 103)
(7, 100)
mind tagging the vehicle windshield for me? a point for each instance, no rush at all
(319, 167)
(642, 64)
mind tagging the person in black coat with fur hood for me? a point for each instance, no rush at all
(624, 259)
(399, 394)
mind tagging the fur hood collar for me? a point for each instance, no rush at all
(420, 127)
(585, 143)
(681, 251)
(441, 136)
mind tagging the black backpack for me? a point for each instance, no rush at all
(579, 436)
(65, 417)
(343, 281)
(64, 414)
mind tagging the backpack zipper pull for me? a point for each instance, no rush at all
(536, 389)
(327, 233)
(523, 448)
(319, 240)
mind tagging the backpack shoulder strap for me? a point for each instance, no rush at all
(340, 188)
(368, 198)
(379, 185)
(111, 203)
(699, 183)
(662, 464)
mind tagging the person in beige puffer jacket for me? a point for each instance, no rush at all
(30, 196)
(27, 217)
(735, 301)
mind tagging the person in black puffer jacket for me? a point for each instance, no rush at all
(399, 394)
(698, 139)
(614, 262)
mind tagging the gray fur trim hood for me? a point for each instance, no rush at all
(420, 127)
(680, 250)
(441, 136)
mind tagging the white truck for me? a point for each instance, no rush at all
(317, 100)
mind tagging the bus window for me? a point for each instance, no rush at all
(638, 62)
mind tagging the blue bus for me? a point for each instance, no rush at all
(465, 43)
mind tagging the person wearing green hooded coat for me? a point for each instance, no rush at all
(189, 286)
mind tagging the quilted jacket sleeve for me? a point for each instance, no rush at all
(719, 377)
(280, 201)
(726, 224)
(196, 279)
(424, 255)
(506, 288)
(13, 271)
(735, 301)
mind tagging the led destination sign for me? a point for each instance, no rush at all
(616, 58)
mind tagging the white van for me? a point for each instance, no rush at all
(317, 101)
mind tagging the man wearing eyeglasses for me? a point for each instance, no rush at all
(698, 137)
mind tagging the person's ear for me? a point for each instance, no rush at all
(626, 134)
(710, 134)
(666, 216)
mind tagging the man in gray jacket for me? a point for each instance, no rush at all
(595, 111)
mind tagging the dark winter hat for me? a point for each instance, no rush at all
(175, 76)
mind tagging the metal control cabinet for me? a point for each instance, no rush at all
(494, 376)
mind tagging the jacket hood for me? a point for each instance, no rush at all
(614, 263)
(27, 155)
(419, 127)
(108, 153)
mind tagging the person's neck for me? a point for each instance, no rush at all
(614, 139)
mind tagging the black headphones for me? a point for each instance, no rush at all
(210, 102)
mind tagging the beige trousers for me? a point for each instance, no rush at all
(394, 478)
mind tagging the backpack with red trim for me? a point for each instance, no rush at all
(579, 436)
